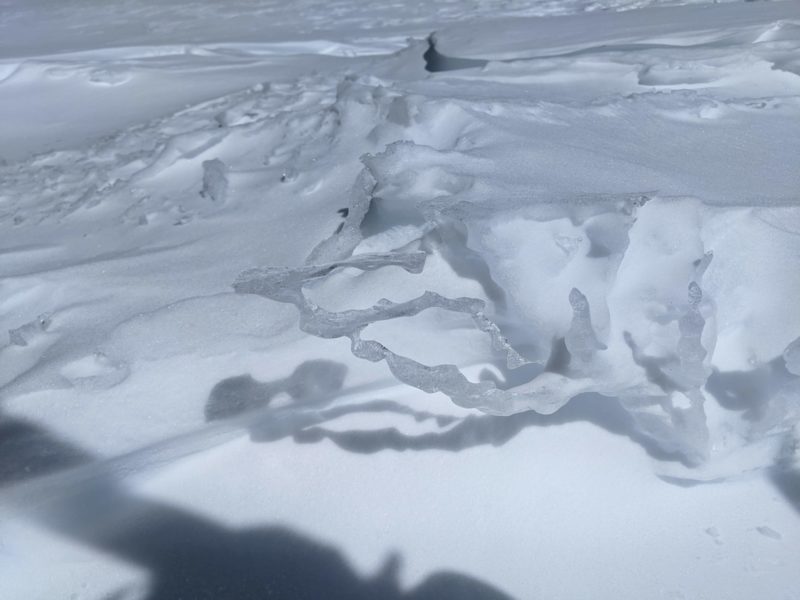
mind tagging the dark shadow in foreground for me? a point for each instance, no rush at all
(195, 559)
(188, 556)
(436, 62)
(27, 450)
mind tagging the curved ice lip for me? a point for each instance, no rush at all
(8, 69)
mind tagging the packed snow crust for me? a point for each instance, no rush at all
(509, 289)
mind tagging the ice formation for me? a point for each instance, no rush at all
(411, 200)
(545, 393)
(524, 225)
(664, 394)
(215, 180)
(286, 285)
(691, 353)
(581, 341)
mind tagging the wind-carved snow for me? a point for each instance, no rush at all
(515, 182)
(681, 430)
(589, 232)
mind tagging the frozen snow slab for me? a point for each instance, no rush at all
(726, 24)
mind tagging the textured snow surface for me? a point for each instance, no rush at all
(399, 300)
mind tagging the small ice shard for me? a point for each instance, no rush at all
(499, 341)
(581, 341)
(691, 353)
(341, 244)
(22, 335)
(221, 119)
(215, 180)
(769, 532)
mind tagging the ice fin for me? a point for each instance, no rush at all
(341, 244)
(286, 285)
(215, 180)
(691, 353)
(581, 341)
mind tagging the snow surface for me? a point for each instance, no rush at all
(399, 299)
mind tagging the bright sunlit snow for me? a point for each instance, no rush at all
(472, 299)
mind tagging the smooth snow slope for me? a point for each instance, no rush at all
(291, 316)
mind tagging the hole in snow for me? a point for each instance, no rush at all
(436, 62)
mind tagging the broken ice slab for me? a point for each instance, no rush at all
(691, 352)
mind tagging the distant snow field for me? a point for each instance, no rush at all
(399, 300)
